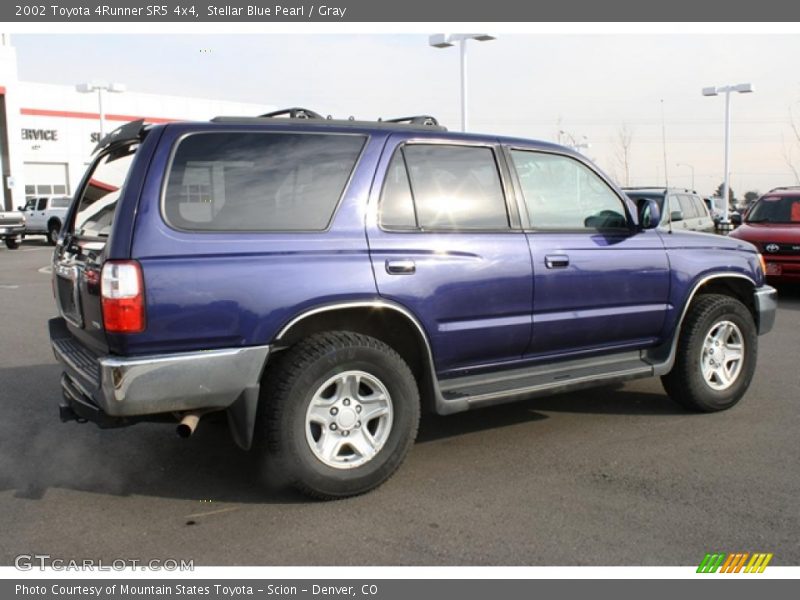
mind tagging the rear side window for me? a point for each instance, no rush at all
(687, 207)
(443, 188)
(700, 207)
(259, 181)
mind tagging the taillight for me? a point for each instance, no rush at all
(122, 291)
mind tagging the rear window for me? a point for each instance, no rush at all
(259, 181)
(98, 200)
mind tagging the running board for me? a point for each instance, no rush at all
(472, 391)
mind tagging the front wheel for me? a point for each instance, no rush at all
(12, 243)
(339, 412)
(716, 355)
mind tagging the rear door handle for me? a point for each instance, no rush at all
(400, 267)
(556, 261)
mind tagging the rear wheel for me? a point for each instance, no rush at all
(716, 355)
(12, 243)
(339, 412)
(53, 229)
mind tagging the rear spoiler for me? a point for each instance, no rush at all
(135, 131)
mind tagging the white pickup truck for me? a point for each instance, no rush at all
(12, 226)
(45, 215)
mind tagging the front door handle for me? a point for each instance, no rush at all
(556, 261)
(400, 267)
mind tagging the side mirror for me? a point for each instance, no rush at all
(676, 215)
(20, 208)
(649, 213)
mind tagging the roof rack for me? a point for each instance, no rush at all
(657, 187)
(784, 187)
(415, 122)
(293, 113)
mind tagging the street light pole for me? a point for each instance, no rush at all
(463, 49)
(741, 88)
(88, 88)
(102, 113)
(446, 40)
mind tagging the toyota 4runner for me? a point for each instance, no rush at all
(323, 281)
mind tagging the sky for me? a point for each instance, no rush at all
(530, 86)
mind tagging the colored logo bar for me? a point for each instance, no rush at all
(736, 562)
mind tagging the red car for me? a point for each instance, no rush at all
(773, 225)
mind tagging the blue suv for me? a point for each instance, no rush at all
(322, 282)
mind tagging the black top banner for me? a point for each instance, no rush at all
(452, 11)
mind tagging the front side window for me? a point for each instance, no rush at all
(563, 194)
(443, 188)
(259, 181)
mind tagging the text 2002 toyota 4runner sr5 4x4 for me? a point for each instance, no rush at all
(323, 281)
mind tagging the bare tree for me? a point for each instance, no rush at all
(622, 152)
(793, 147)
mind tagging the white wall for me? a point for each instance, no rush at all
(67, 137)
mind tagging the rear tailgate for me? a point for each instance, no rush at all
(91, 224)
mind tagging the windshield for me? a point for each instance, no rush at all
(98, 202)
(776, 209)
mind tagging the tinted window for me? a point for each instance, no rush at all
(259, 181)
(562, 193)
(42, 204)
(397, 204)
(455, 187)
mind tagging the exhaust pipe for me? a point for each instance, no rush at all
(188, 424)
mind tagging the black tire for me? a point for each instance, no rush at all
(12, 243)
(289, 386)
(53, 229)
(686, 383)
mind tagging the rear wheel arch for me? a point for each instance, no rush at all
(387, 322)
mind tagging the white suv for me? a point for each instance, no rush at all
(680, 209)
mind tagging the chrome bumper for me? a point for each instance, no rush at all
(12, 229)
(766, 299)
(147, 385)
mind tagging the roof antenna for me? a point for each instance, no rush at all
(666, 177)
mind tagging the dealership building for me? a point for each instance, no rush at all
(48, 132)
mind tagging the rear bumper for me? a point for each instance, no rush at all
(766, 299)
(108, 389)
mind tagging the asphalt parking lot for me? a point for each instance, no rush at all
(612, 476)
